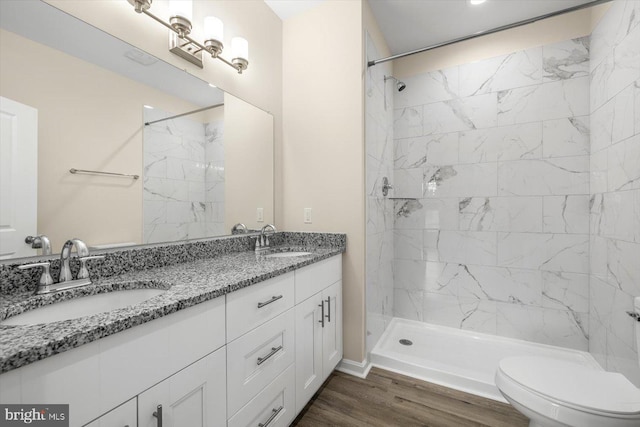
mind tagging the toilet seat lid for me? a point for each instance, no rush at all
(575, 385)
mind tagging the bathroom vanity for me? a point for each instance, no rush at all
(236, 339)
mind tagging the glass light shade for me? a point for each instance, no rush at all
(183, 8)
(213, 28)
(240, 48)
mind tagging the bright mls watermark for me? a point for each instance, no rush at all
(34, 415)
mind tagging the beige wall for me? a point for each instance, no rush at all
(88, 118)
(323, 141)
(260, 85)
(562, 27)
(248, 153)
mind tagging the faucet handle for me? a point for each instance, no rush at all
(84, 271)
(45, 278)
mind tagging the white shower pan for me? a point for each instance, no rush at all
(455, 358)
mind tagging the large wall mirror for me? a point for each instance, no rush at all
(74, 97)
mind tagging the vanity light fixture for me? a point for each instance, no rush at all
(180, 43)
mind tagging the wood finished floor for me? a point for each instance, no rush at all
(387, 399)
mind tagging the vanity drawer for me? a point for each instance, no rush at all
(312, 279)
(250, 307)
(277, 400)
(257, 358)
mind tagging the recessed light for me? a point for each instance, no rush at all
(149, 107)
(476, 2)
(212, 85)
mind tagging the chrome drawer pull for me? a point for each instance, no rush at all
(274, 414)
(321, 314)
(273, 299)
(274, 350)
(329, 309)
(158, 415)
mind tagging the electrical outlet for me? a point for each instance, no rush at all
(260, 215)
(307, 215)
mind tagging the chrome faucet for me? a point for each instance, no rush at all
(239, 228)
(65, 279)
(262, 241)
(39, 242)
(65, 254)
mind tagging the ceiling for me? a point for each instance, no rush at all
(413, 24)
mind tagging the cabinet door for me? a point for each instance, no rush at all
(193, 397)
(124, 415)
(332, 331)
(308, 349)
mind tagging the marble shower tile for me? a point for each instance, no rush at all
(598, 256)
(598, 165)
(408, 215)
(164, 144)
(620, 217)
(601, 298)
(165, 189)
(623, 359)
(474, 112)
(559, 176)
(407, 122)
(408, 304)
(565, 291)
(553, 100)
(442, 149)
(566, 60)
(443, 278)
(462, 247)
(542, 325)
(410, 274)
(408, 183)
(155, 212)
(550, 252)
(185, 170)
(521, 68)
(501, 143)
(620, 326)
(624, 165)
(623, 266)
(566, 137)
(566, 214)
(155, 165)
(499, 284)
(523, 214)
(440, 214)
(427, 88)
(475, 315)
(408, 245)
(410, 153)
(617, 23)
(614, 121)
(461, 180)
(637, 105)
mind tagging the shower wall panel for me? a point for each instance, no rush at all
(492, 159)
(615, 188)
(379, 233)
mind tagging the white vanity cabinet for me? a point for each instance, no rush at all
(125, 415)
(318, 326)
(194, 397)
(254, 357)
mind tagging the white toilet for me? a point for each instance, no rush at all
(553, 392)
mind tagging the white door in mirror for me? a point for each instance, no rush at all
(18, 177)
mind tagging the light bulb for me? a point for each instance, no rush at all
(182, 8)
(476, 2)
(213, 28)
(240, 48)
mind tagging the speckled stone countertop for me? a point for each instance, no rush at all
(187, 284)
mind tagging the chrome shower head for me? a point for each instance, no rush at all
(399, 85)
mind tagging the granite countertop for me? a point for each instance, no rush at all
(187, 284)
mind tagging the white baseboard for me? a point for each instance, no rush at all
(357, 369)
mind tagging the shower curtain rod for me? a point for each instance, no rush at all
(185, 114)
(487, 32)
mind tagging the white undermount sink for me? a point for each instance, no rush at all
(83, 306)
(287, 254)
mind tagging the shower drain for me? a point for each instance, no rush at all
(406, 342)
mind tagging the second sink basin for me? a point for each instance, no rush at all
(287, 254)
(83, 306)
